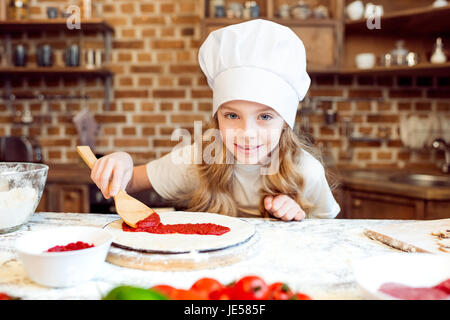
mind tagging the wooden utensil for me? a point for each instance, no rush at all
(415, 236)
(129, 209)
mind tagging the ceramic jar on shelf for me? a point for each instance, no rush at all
(18, 10)
(301, 10)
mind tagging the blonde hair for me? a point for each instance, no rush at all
(214, 193)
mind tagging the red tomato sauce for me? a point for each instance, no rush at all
(152, 224)
(79, 245)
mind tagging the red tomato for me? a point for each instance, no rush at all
(300, 296)
(181, 294)
(444, 286)
(205, 286)
(164, 289)
(250, 288)
(279, 291)
(4, 296)
(224, 293)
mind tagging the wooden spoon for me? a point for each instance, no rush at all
(129, 209)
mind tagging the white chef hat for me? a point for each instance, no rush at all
(258, 60)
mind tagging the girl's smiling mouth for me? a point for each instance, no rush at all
(247, 149)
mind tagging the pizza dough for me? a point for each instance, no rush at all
(240, 231)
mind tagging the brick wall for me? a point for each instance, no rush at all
(392, 97)
(158, 86)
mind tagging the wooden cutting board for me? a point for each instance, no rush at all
(411, 236)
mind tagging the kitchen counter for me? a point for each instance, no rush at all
(312, 256)
(377, 180)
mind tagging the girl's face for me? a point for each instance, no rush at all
(250, 130)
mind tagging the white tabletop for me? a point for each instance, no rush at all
(311, 256)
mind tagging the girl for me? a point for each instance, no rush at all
(259, 166)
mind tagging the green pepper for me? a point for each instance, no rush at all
(133, 293)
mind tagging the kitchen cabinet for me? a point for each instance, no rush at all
(43, 203)
(437, 209)
(66, 189)
(65, 198)
(365, 205)
(73, 198)
(373, 194)
(356, 204)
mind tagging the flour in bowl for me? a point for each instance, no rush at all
(16, 205)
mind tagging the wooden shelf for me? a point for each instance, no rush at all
(420, 69)
(426, 20)
(94, 24)
(319, 71)
(59, 24)
(45, 71)
(290, 22)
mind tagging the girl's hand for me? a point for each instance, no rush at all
(116, 168)
(284, 208)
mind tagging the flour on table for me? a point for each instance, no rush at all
(240, 231)
(16, 205)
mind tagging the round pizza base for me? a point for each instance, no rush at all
(240, 232)
(185, 261)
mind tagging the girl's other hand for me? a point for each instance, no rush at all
(112, 173)
(284, 208)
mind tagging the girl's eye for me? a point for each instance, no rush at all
(231, 116)
(266, 117)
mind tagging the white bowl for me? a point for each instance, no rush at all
(63, 269)
(412, 269)
(365, 60)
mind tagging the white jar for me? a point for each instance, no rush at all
(355, 10)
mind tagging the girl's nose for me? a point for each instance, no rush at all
(247, 125)
(247, 130)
